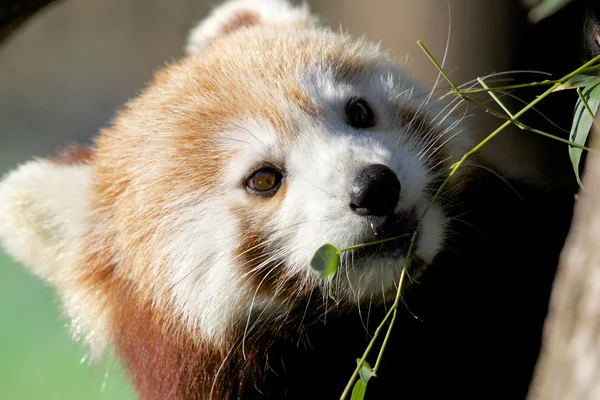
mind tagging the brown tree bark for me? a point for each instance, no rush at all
(569, 364)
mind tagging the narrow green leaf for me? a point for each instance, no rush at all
(325, 261)
(365, 371)
(582, 123)
(579, 80)
(360, 387)
(359, 390)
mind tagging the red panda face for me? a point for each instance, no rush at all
(227, 174)
(211, 192)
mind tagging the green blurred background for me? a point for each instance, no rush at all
(65, 72)
(39, 360)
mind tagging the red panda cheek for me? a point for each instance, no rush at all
(259, 257)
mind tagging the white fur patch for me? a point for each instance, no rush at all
(41, 216)
(205, 276)
(205, 283)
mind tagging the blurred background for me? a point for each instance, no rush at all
(67, 70)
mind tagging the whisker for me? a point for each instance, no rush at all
(250, 314)
(409, 310)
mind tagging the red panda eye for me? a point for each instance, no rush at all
(359, 113)
(264, 182)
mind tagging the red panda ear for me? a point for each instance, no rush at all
(42, 212)
(237, 14)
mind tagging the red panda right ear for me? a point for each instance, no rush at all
(237, 14)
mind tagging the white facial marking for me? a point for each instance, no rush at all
(206, 278)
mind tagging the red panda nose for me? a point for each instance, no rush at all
(375, 191)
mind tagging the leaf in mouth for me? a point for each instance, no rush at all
(325, 261)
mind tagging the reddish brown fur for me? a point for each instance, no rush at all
(164, 362)
(239, 20)
(72, 155)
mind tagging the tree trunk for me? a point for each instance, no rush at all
(569, 364)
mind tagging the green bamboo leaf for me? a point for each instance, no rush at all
(360, 387)
(365, 371)
(582, 123)
(325, 261)
(579, 80)
(359, 390)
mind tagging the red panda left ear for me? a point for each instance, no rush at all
(237, 14)
(42, 217)
(44, 207)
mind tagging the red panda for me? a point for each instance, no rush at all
(183, 237)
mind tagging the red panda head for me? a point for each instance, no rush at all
(211, 191)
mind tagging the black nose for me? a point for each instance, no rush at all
(375, 191)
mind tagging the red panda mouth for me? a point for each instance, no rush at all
(398, 224)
